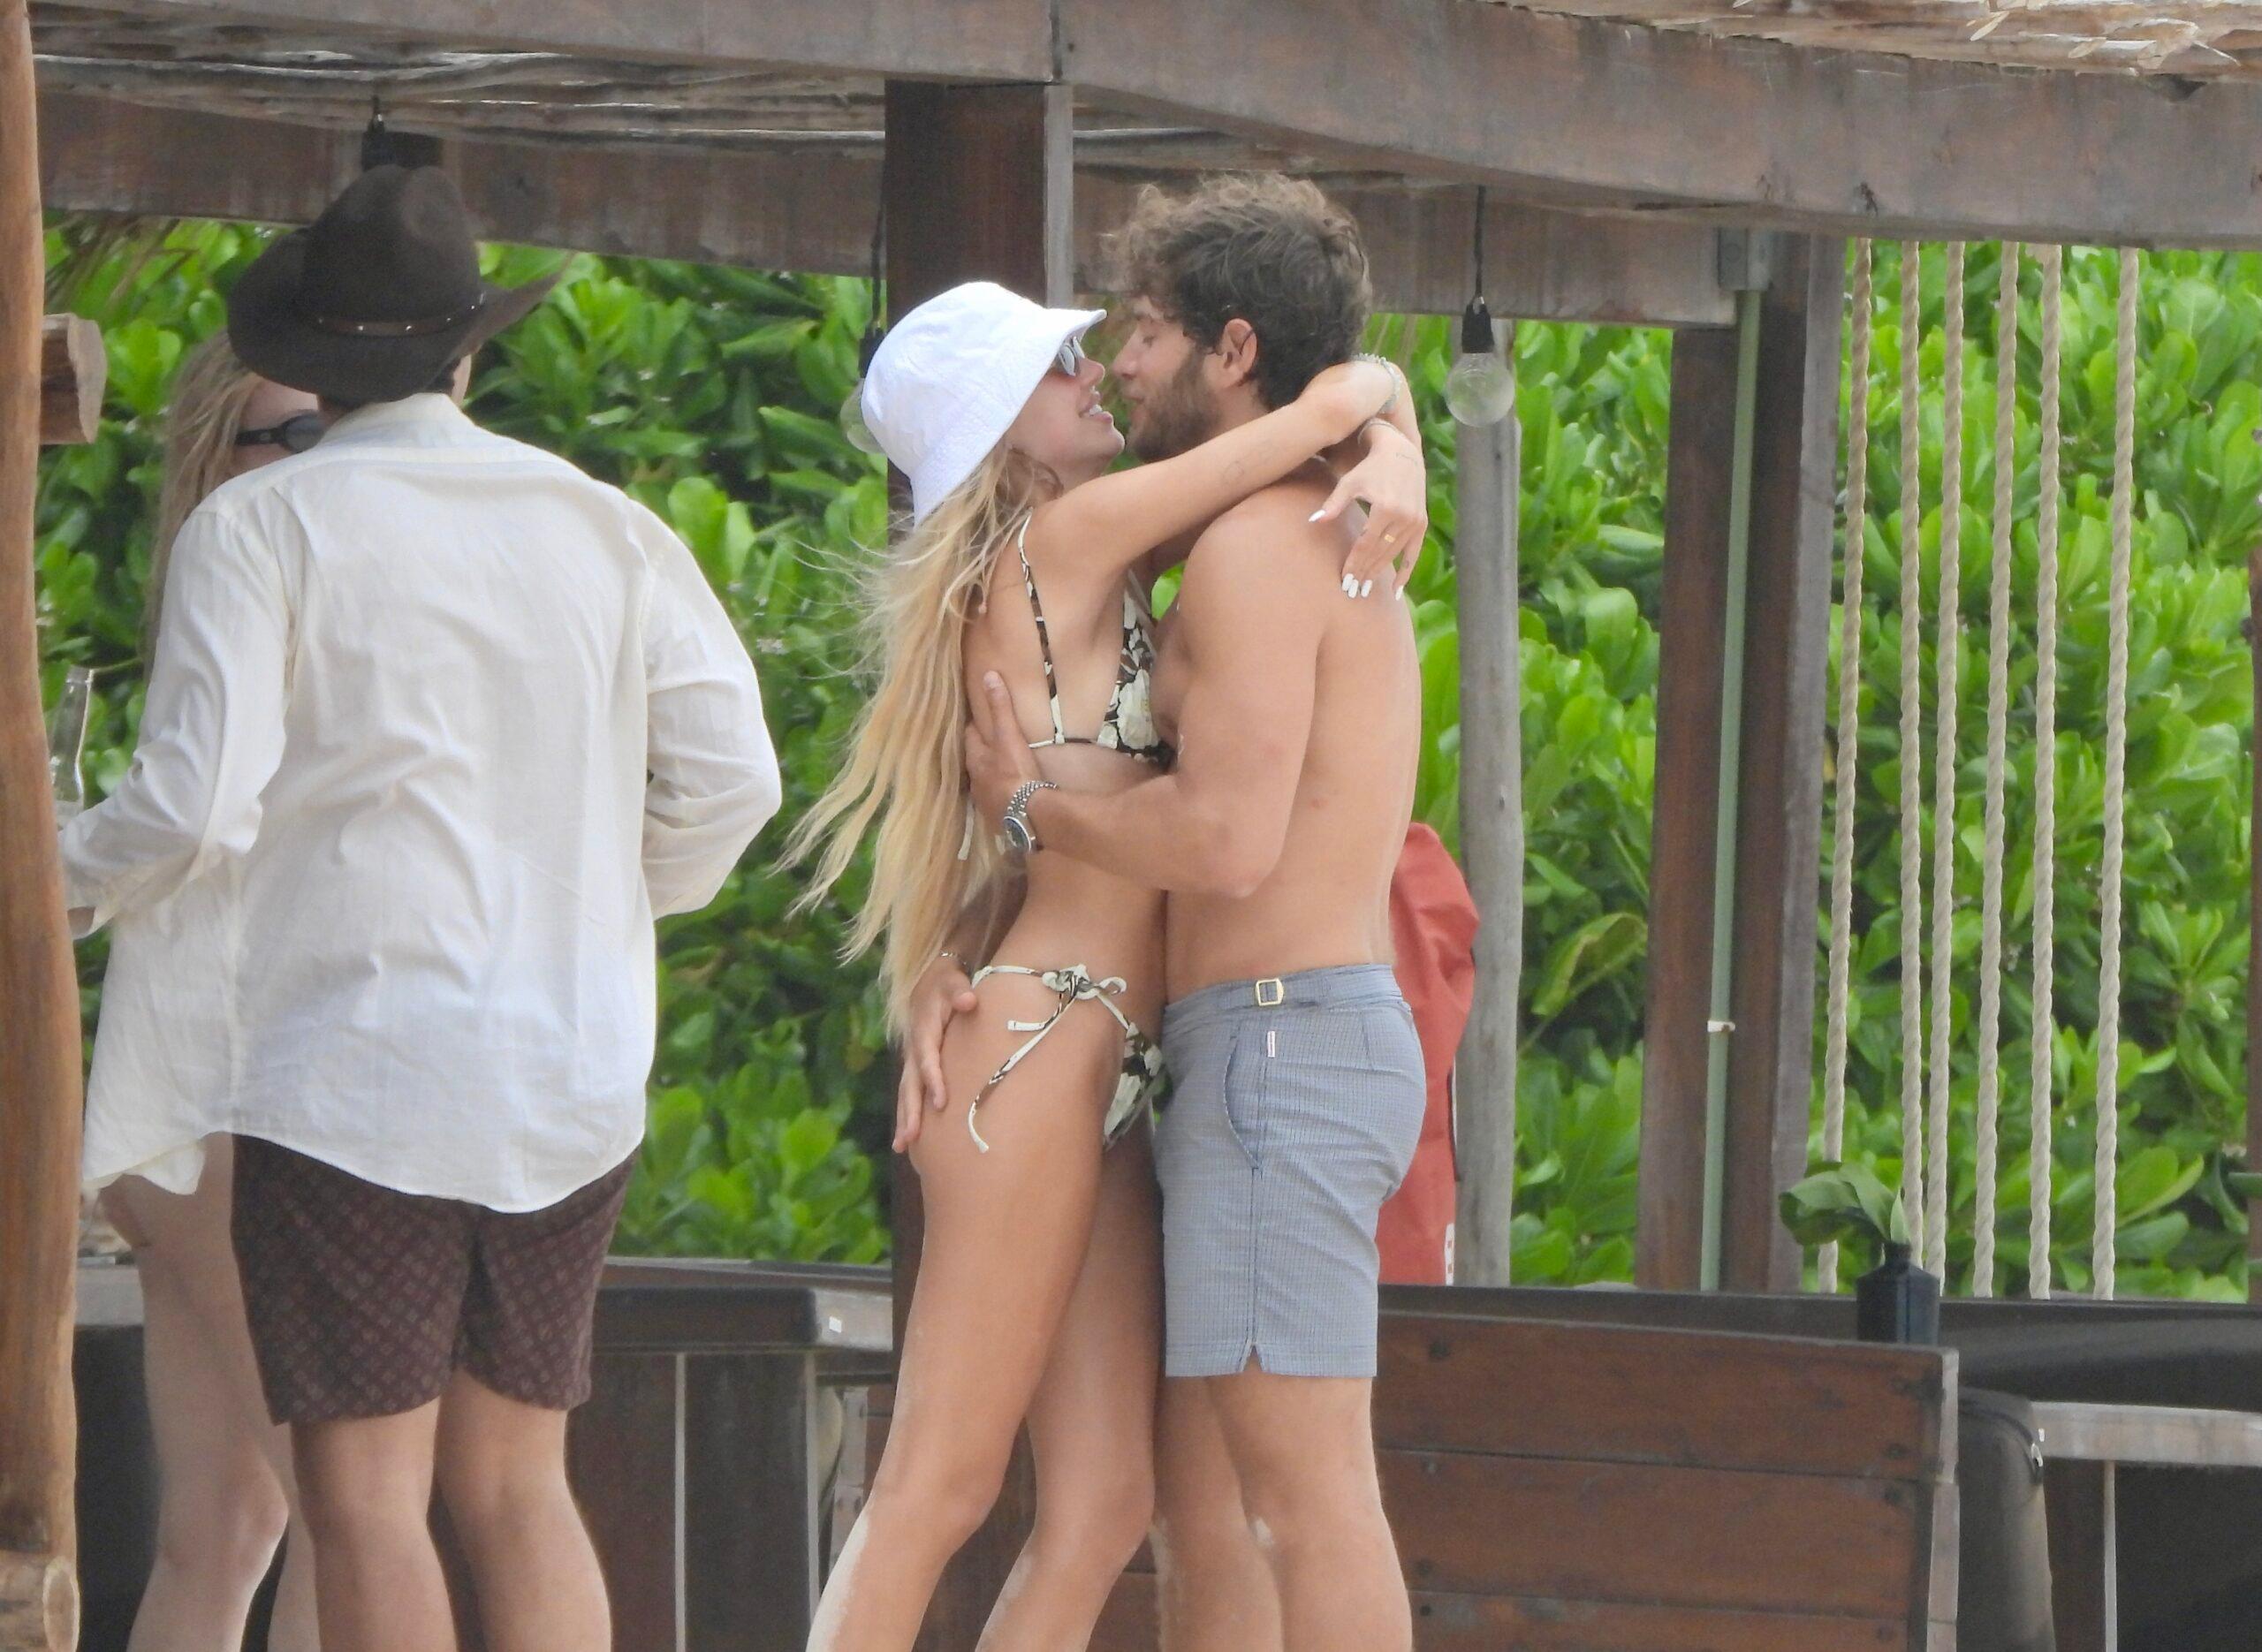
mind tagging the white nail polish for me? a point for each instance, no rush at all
(1315, 515)
(1368, 588)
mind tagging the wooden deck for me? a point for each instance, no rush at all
(1566, 1470)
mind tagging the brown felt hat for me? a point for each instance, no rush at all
(378, 296)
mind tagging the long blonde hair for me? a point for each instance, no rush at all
(905, 768)
(211, 391)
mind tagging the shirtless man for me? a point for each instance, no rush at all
(1298, 1079)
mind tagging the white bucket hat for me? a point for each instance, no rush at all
(951, 377)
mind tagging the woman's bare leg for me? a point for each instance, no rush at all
(1091, 1424)
(225, 1486)
(1007, 1232)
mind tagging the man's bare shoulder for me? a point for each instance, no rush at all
(1269, 544)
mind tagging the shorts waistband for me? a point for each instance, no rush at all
(1341, 987)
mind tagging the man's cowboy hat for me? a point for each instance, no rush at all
(377, 297)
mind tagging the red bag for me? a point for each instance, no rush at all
(1433, 930)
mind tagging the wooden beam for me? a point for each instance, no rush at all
(976, 186)
(40, 1097)
(812, 209)
(1685, 808)
(2190, 1437)
(1778, 821)
(959, 39)
(1550, 107)
(1541, 264)
(1567, 109)
(1487, 474)
(809, 212)
(73, 369)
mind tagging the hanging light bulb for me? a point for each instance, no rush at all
(852, 408)
(1480, 389)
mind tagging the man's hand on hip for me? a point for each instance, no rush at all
(997, 761)
(941, 996)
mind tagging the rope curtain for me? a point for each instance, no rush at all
(1912, 794)
(2042, 1071)
(1999, 672)
(1848, 747)
(1926, 1002)
(2102, 1255)
(1948, 645)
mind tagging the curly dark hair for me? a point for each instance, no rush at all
(1273, 252)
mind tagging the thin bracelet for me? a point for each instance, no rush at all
(964, 967)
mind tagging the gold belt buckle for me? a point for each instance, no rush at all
(1271, 993)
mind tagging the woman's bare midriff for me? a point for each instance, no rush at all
(1073, 914)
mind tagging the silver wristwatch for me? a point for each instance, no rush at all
(1021, 836)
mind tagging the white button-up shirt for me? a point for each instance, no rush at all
(436, 725)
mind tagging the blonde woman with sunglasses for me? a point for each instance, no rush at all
(226, 1491)
(1030, 555)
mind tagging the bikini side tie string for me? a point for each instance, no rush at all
(1074, 984)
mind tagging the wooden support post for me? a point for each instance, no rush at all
(39, 987)
(73, 369)
(1491, 841)
(1778, 826)
(1779, 780)
(1685, 806)
(2253, 985)
(2078, 1497)
(975, 184)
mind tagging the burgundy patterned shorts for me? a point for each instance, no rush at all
(363, 1301)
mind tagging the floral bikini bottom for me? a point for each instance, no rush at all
(1139, 1084)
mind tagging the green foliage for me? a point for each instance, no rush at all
(711, 394)
(1593, 407)
(1841, 1202)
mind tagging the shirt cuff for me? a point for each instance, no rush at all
(82, 895)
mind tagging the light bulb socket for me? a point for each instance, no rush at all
(1477, 335)
(381, 145)
(376, 143)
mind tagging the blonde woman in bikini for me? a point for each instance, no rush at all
(1038, 1299)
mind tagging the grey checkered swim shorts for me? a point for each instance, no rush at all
(1297, 1105)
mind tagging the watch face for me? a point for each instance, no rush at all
(1018, 839)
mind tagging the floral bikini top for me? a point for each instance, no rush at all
(1129, 724)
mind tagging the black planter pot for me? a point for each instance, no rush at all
(1897, 1302)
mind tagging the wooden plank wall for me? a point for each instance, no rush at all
(1563, 1488)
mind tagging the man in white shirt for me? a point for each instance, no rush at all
(438, 726)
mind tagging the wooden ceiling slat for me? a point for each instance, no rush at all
(1548, 108)
(1558, 108)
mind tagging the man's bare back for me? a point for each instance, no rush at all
(1266, 671)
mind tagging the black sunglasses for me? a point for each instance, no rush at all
(295, 435)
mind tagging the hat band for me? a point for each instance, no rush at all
(395, 329)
